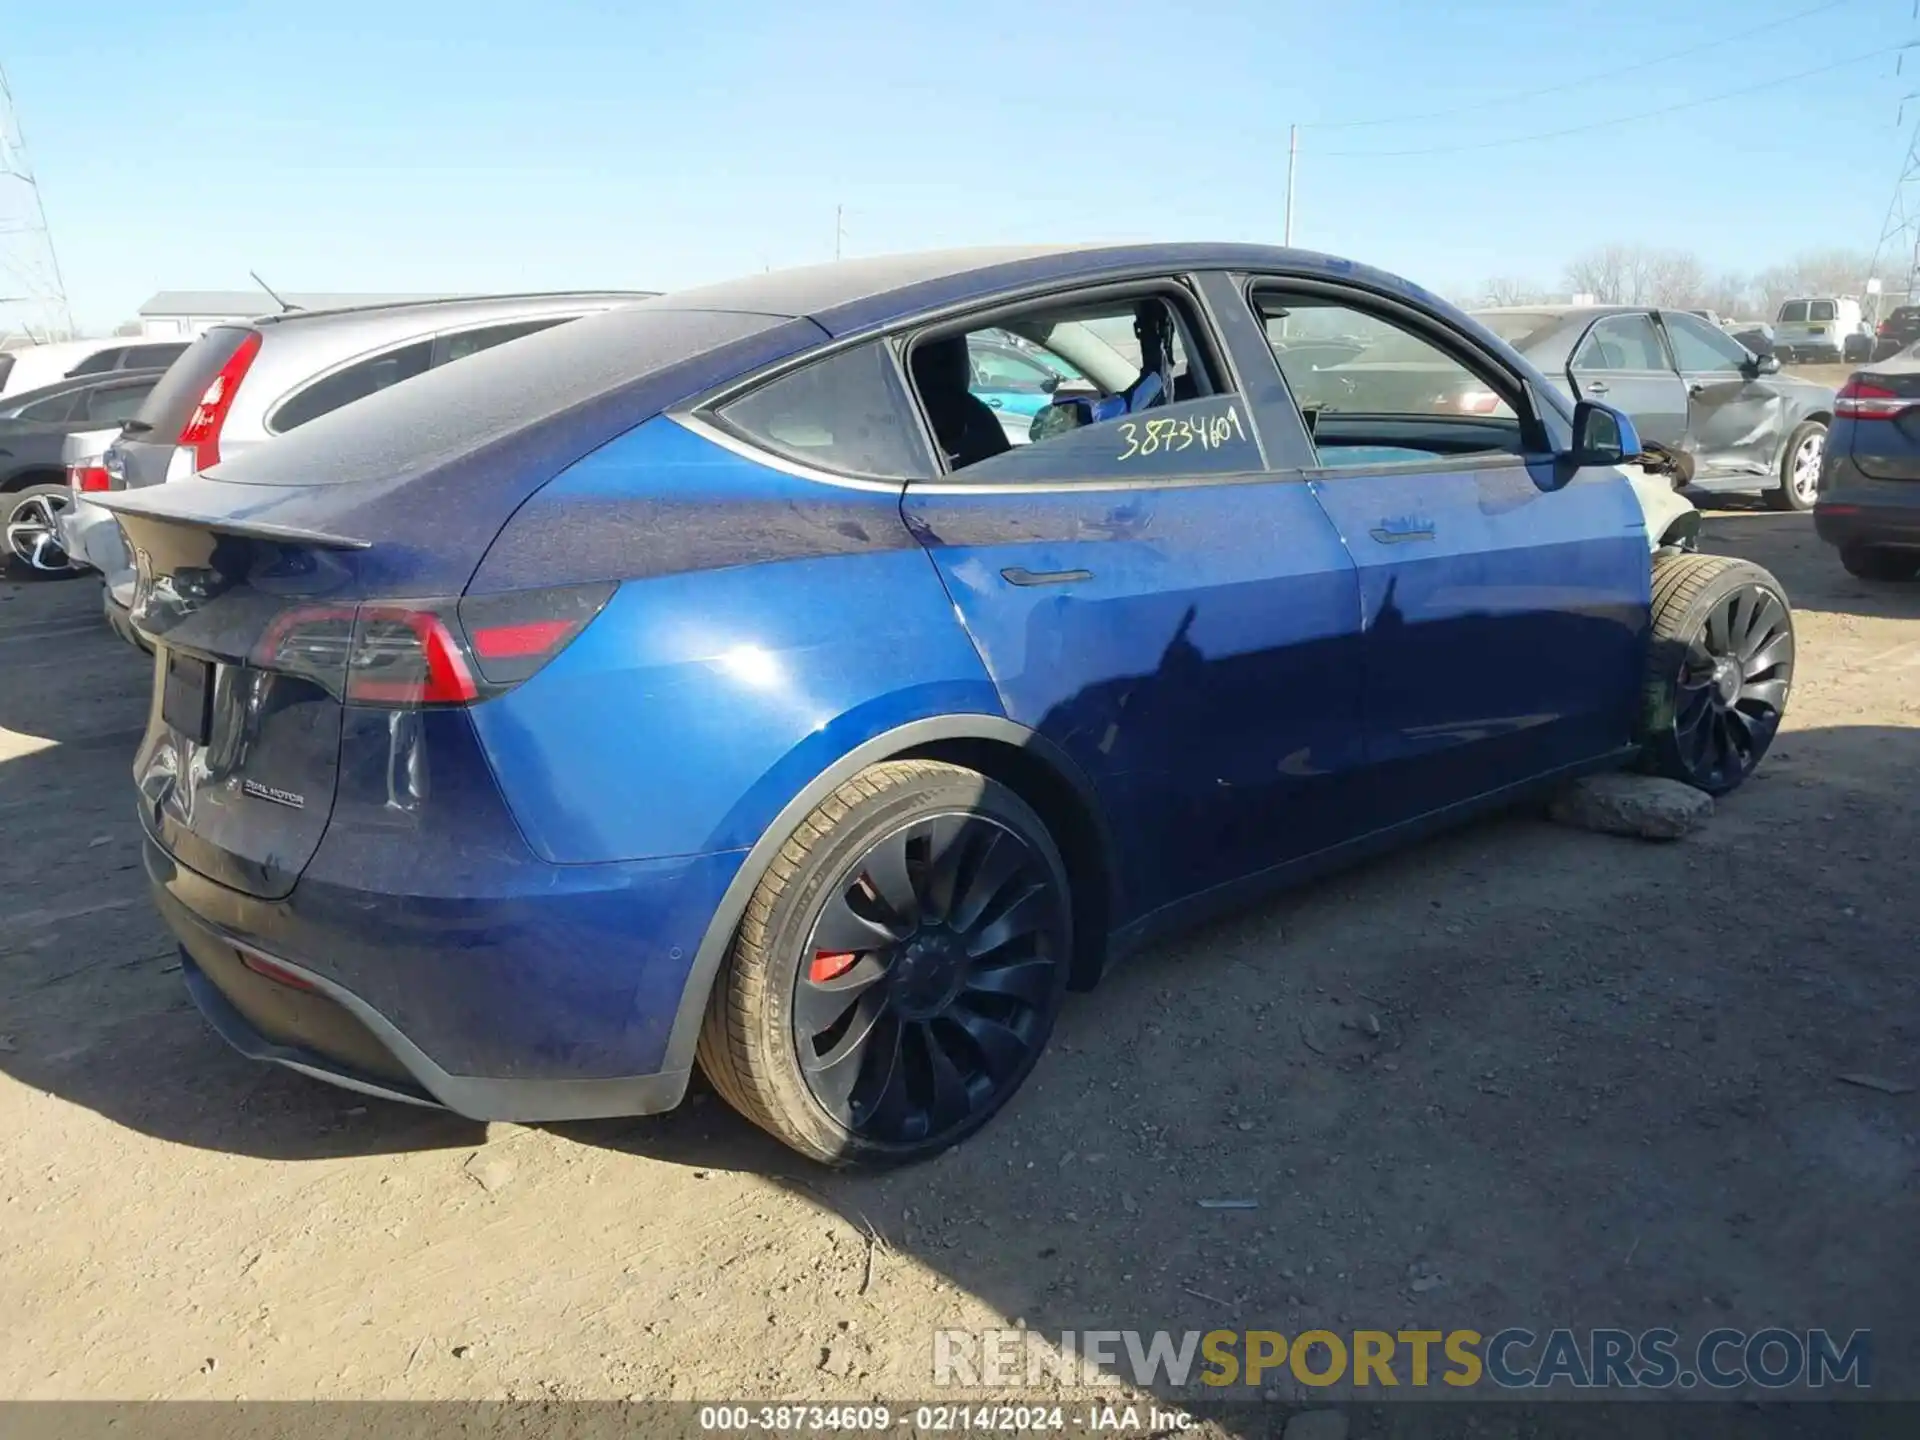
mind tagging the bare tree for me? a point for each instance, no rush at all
(1728, 295)
(1601, 273)
(1506, 290)
(1677, 279)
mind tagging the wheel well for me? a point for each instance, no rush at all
(1069, 819)
(32, 477)
(1823, 417)
(1684, 528)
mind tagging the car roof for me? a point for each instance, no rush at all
(848, 295)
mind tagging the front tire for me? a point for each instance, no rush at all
(897, 972)
(1719, 669)
(1800, 468)
(1872, 563)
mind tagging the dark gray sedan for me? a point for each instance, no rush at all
(1688, 386)
(1736, 421)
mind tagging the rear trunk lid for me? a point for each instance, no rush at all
(1884, 436)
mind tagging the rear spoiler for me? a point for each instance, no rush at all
(142, 503)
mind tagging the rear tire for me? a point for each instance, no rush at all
(1800, 461)
(898, 970)
(1871, 563)
(1718, 673)
(29, 536)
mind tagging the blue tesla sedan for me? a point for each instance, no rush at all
(712, 681)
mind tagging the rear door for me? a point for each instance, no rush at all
(1736, 419)
(1621, 361)
(1153, 598)
(1504, 597)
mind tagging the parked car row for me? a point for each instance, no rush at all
(713, 679)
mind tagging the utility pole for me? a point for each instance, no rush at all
(27, 257)
(839, 228)
(1900, 235)
(1293, 164)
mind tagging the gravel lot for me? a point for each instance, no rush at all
(1603, 1092)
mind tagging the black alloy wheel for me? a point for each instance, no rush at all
(1720, 668)
(928, 983)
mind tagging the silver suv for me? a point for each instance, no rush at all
(240, 385)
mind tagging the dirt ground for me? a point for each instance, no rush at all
(1603, 1092)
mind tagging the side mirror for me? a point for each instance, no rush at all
(1602, 435)
(1767, 364)
(1050, 384)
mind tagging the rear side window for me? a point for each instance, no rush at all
(472, 342)
(1621, 342)
(354, 382)
(151, 357)
(117, 403)
(844, 413)
(171, 404)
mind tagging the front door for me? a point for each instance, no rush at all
(1621, 362)
(1148, 597)
(1737, 419)
(1505, 602)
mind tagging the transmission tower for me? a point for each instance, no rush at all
(33, 297)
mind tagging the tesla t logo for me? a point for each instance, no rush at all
(278, 797)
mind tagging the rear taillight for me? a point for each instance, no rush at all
(428, 652)
(1884, 327)
(1863, 400)
(89, 478)
(201, 433)
(1478, 402)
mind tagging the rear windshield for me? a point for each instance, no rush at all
(1793, 312)
(458, 409)
(171, 403)
(1900, 312)
(1820, 310)
(1515, 326)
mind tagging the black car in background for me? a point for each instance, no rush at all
(1869, 505)
(1900, 329)
(34, 426)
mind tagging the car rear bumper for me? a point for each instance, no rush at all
(1844, 523)
(441, 1024)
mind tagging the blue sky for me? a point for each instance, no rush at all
(428, 145)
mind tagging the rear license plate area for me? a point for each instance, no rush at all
(186, 697)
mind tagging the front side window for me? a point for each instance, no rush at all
(1396, 395)
(354, 382)
(1129, 393)
(1699, 347)
(54, 407)
(1621, 342)
(842, 413)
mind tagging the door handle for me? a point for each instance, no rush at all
(1596, 387)
(1697, 387)
(1020, 575)
(1388, 536)
(997, 403)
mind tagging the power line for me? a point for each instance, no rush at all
(1638, 67)
(1623, 119)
